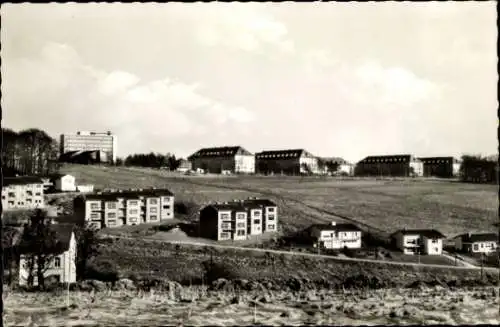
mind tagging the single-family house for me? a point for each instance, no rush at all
(63, 182)
(335, 236)
(423, 241)
(477, 243)
(62, 265)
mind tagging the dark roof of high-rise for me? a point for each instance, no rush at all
(388, 158)
(283, 154)
(225, 151)
(438, 159)
(21, 180)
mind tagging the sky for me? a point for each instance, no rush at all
(337, 79)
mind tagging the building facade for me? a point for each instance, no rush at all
(419, 241)
(91, 142)
(238, 219)
(234, 159)
(22, 193)
(441, 166)
(184, 166)
(477, 243)
(391, 165)
(62, 266)
(125, 207)
(336, 236)
(286, 162)
(63, 182)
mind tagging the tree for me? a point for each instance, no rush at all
(477, 169)
(39, 247)
(87, 248)
(332, 166)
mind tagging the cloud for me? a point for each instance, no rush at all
(244, 27)
(85, 97)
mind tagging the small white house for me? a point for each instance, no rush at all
(63, 261)
(64, 183)
(423, 241)
(477, 243)
(336, 236)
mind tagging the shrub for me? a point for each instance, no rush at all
(102, 270)
(185, 208)
(216, 270)
(349, 252)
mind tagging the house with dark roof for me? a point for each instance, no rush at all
(62, 266)
(476, 242)
(22, 193)
(114, 208)
(401, 165)
(335, 235)
(441, 166)
(286, 162)
(414, 241)
(238, 219)
(220, 160)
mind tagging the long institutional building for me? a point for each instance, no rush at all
(125, 207)
(238, 219)
(390, 165)
(74, 145)
(441, 166)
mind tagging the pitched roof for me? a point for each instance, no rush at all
(342, 227)
(438, 159)
(283, 154)
(482, 237)
(242, 205)
(262, 202)
(339, 160)
(21, 180)
(62, 233)
(389, 158)
(128, 194)
(429, 233)
(225, 151)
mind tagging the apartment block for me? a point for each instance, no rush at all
(238, 219)
(441, 166)
(390, 165)
(89, 142)
(286, 162)
(125, 207)
(232, 159)
(22, 193)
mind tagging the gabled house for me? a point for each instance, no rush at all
(441, 166)
(423, 241)
(404, 165)
(62, 266)
(287, 162)
(477, 243)
(220, 160)
(335, 236)
(63, 182)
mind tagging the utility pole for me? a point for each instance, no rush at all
(482, 265)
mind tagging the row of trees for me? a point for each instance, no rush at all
(477, 169)
(331, 166)
(151, 160)
(28, 152)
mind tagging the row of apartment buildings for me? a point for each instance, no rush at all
(237, 159)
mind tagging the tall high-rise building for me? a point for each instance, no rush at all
(90, 141)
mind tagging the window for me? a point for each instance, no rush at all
(57, 262)
(270, 227)
(225, 226)
(133, 202)
(256, 213)
(12, 194)
(153, 217)
(11, 203)
(111, 214)
(38, 193)
(256, 221)
(240, 232)
(241, 216)
(166, 207)
(3, 197)
(94, 206)
(153, 201)
(224, 216)
(111, 205)
(133, 219)
(270, 217)
(476, 247)
(30, 193)
(94, 215)
(240, 225)
(153, 210)
(112, 222)
(166, 199)
(133, 211)
(28, 201)
(270, 209)
(224, 236)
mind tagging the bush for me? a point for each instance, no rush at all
(185, 208)
(215, 270)
(102, 270)
(349, 252)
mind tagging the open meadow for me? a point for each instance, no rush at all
(195, 307)
(380, 205)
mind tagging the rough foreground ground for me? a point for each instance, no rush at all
(191, 306)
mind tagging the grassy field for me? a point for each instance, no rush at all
(383, 205)
(198, 308)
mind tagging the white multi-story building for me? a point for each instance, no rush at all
(234, 159)
(423, 241)
(125, 207)
(22, 193)
(336, 236)
(62, 265)
(288, 162)
(90, 141)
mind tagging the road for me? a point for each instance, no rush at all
(459, 259)
(395, 263)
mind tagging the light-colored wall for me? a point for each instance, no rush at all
(347, 168)
(65, 183)
(241, 218)
(483, 247)
(432, 246)
(100, 141)
(456, 169)
(85, 188)
(224, 221)
(66, 272)
(24, 196)
(256, 229)
(404, 242)
(418, 167)
(244, 164)
(332, 239)
(273, 211)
